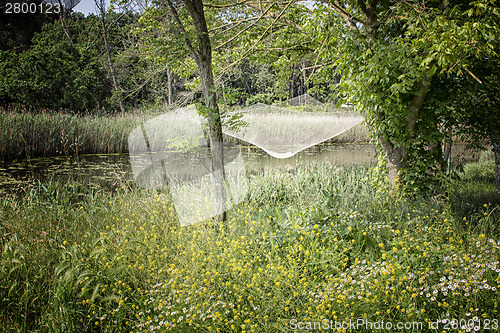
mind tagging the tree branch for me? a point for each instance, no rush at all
(349, 19)
(175, 14)
(245, 29)
(262, 36)
(371, 24)
(274, 16)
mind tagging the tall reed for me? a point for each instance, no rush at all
(27, 134)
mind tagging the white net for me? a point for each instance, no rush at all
(283, 132)
(301, 100)
(170, 151)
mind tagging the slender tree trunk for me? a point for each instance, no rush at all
(203, 58)
(247, 84)
(116, 85)
(442, 151)
(290, 83)
(496, 152)
(304, 79)
(170, 87)
(62, 18)
(448, 144)
(223, 91)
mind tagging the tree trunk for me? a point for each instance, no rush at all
(216, 138)
(170, 87)
(291, 83)
(116, 85)
(62, 18)
(223, 91)
(448, 144)
(203, 59)
(395, 161)
(304, 79)
(496, 152)
(397, 156)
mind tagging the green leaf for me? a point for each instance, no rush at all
(431, 71)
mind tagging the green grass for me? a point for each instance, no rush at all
(44, 133)
(318, 243)
(26, 134)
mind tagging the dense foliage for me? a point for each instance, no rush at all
(306, 245)
(53, 71)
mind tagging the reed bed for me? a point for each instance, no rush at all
(44, 133)
(28, 134)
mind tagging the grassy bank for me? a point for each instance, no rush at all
(315, 244)
(43, 133)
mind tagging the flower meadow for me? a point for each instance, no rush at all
(318, 245)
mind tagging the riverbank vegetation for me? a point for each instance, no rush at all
(28, 134)
(381, 58)
(412, 241)
(317, 243)
(36, 133)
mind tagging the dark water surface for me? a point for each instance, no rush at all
(114, 170)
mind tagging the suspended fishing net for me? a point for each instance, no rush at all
(301, 100)
(171, 151)
(283, 132)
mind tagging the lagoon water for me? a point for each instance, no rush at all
(114, 170)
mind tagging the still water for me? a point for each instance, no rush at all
(114, 170)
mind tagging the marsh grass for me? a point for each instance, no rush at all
(27, 134)
(36, 133)
(357, 134)
(310, 244)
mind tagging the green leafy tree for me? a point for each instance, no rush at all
(384, 57)
(175, 31)
(58, 72)
(52, 73)
(387, 55)
(18, 29)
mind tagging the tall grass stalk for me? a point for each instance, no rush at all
(26, 134)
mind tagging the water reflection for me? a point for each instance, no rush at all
(110, 171)
(114, 170)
